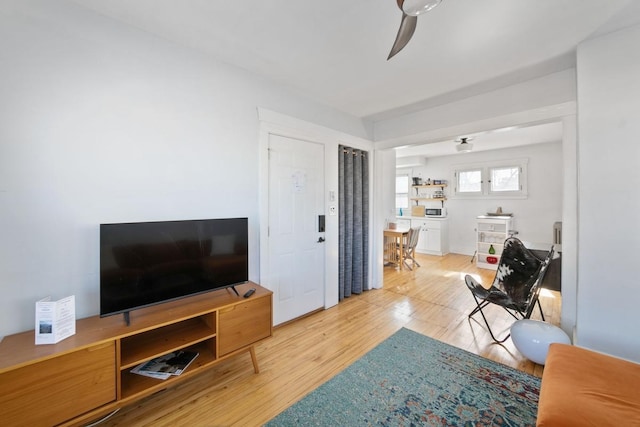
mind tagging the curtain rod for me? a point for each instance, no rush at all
(362, 153)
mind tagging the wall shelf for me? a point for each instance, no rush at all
(433, 199)
(429, 186)
(427, 198)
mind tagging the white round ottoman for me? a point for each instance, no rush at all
(532, 338)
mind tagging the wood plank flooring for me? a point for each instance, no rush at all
(305, 353)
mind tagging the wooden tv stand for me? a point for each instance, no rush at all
(88, 375)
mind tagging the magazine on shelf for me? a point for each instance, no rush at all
(156, 375)
(163, 367)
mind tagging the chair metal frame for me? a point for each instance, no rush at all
(497, 294)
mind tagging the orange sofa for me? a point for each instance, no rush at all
(583, 388)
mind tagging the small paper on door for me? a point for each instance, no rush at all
(299, 180)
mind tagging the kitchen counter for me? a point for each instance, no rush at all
(434, 232)
(441, 218)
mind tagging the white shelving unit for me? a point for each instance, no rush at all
(491, 231)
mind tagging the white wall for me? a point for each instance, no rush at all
(103, 123)
(608, 227)
(533, 216)
(491, 110)
(385, 202)
(569, 223)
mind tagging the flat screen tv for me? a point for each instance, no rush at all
(147, 263)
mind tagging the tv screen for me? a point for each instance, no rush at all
(151, 262)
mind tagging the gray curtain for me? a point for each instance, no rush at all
(353, 197)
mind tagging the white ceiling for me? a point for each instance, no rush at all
(489, 140)
(334, 51)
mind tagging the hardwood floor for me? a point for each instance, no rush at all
(303, 354)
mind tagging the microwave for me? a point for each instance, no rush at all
(435, 212)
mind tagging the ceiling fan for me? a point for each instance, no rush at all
(410, 11)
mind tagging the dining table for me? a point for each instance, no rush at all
(395, 240)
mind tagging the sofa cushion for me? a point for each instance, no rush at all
(583, 388)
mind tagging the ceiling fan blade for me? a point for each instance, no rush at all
(406, 30)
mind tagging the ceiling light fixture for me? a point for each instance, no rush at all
(464, 146)
(417, 7)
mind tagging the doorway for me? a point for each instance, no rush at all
(296, 260)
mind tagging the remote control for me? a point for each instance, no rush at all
(249, 292)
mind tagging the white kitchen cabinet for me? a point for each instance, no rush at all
(403, 222)
(434, 236)
(492, 231)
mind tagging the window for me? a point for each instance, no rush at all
(402, 192)
(506, 179)
(470, 181)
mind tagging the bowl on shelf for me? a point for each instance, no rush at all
(492, 259)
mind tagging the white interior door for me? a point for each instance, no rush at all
(296, 244)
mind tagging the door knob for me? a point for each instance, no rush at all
(320, 239)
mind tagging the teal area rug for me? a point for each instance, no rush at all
(413, 380)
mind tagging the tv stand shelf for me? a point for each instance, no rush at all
(87, 375)
(156, 342)
(134, 386)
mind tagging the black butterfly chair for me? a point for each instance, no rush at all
(516, 286)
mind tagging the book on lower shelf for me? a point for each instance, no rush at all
(165, 366)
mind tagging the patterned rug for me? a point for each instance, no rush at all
(413, 380)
